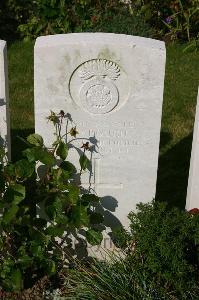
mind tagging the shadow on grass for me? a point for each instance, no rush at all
(17, 145)
(173, 172)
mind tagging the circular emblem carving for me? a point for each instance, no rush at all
(98, 93)
(99, 96)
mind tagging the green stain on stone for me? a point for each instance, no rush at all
(107, 54)
(67, 59)
(77, 53)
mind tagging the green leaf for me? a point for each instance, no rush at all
(54, 231)
(25, 220)
(1, 243)
(2, 152)
(41, 154)
(94, 237)
(15, 193)
(37, 250)
(10, 214)
(96, 218)
(45, 157)
(50, 211)
(39, 236)
(68, 167)
(79, 216)
(10, 170)
(51, 267)
(73, 193)
(60, 177)
(17, 280)
(84, 162)
(61, 219)
(54, 205)
(2, 182)
(89, 199)
(62, 150)
(39, 222)
(35, 139)
(24, 169)
(25, 261)
(30, 153)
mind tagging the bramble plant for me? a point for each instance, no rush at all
(163, 247)
(170, 19)
(181, 20)
(160, 259)
(28, 242)
(63, 16)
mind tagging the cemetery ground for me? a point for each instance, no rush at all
(161, 248)
(158, 255)
(180, 92)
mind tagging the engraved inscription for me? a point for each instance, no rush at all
(117, 124)
(109, 140)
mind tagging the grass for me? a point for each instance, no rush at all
(181, 84)
(20, 68)
(180, 94)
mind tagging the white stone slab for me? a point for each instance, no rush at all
(4, 104)
(112, 85)
(193, 182)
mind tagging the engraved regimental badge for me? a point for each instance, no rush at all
(98, 93)
(93, 86)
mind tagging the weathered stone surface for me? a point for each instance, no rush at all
(112, 85)
(193, 183)
(4, 104)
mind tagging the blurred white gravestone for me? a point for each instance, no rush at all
(193, 183)
(112, 85)
(4, 104)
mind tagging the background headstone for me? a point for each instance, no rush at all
(112, 85)
(4, 104)
(193, 183)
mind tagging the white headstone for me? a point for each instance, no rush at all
(112, 85)
(4, 105)
(193, 183)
